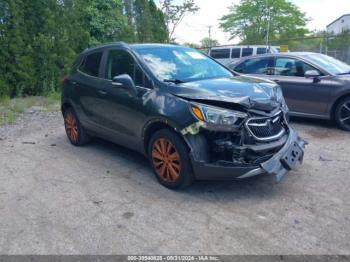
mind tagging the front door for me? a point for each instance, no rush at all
(122, 116)
(303, 95)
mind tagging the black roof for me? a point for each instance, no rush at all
(132, 46)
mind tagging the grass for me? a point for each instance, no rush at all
(10, 109)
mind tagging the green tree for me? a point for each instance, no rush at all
(192, 45)
(249, 20)
(175, 13)
(208, 42)
(159, 28)
(16, 65)
(104, 20)
(143, 22)
(39, 39)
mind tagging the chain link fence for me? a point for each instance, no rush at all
(337, 46)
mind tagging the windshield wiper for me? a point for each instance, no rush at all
(175, 81)
(348, 73)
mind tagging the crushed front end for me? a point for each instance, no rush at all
(246, 144)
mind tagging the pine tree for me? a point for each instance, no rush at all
(143, 21)
(39, 39)
(159, 28)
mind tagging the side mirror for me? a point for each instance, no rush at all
(312, 74)
(125, 82)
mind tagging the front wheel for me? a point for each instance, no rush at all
(170, 160)
(342, 114)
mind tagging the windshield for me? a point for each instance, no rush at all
(180, 64)
(331, 64)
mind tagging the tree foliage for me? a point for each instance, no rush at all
(175, 13)
(249, 20)
(209, 42)
(39, 39)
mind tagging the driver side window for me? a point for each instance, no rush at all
(121, 62)
(286, 66)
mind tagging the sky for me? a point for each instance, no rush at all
(195, 26)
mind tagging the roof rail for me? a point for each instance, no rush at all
(119, 43)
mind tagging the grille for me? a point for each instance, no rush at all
(267, 128)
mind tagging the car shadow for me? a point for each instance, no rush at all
(312, 122)
(255, 187)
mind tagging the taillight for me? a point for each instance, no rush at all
(64, 80)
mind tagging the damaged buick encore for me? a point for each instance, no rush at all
(191, 116)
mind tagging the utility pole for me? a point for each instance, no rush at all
(209, 32)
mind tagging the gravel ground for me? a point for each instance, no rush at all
(104, 199)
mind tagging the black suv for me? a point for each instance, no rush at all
(191, 116)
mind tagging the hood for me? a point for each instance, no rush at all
(345, 78)
(248, 92)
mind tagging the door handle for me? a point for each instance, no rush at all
(276, 80)
(102, 92)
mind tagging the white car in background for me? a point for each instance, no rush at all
(230, 53)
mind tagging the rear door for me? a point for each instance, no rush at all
(303, 95)
(86, 83)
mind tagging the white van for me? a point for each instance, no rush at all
(228, 54)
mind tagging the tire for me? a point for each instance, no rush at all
(342, 114)
(76, 133)
(169, 159)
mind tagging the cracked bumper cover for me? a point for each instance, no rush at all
(280, 164)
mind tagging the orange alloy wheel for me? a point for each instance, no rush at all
(166, 160)
(71, 127)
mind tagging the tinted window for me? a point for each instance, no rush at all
(236, 53)
(255, 66)
(261, 50)
(247, 51)
(286, 66)
(121, 62)
(91, 64)
(220, 53)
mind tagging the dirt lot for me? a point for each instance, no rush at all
(103, 199)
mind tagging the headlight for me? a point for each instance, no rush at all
(280, 99)
(217, 116)
(279, 94)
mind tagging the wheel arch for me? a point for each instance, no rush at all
(65, 105)
(156, 125)
(336, 103)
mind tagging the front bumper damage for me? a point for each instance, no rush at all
(280, 163)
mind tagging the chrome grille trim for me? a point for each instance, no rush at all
(266, 126)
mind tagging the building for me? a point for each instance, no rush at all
(339, 25)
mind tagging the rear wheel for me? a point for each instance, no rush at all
(74, 130)
(169, 158)
(342, 114)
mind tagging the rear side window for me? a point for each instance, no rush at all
(91, 64)
(260, 66)
(247, 51)
(220, 53)
(261, 50)
(236, 53)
